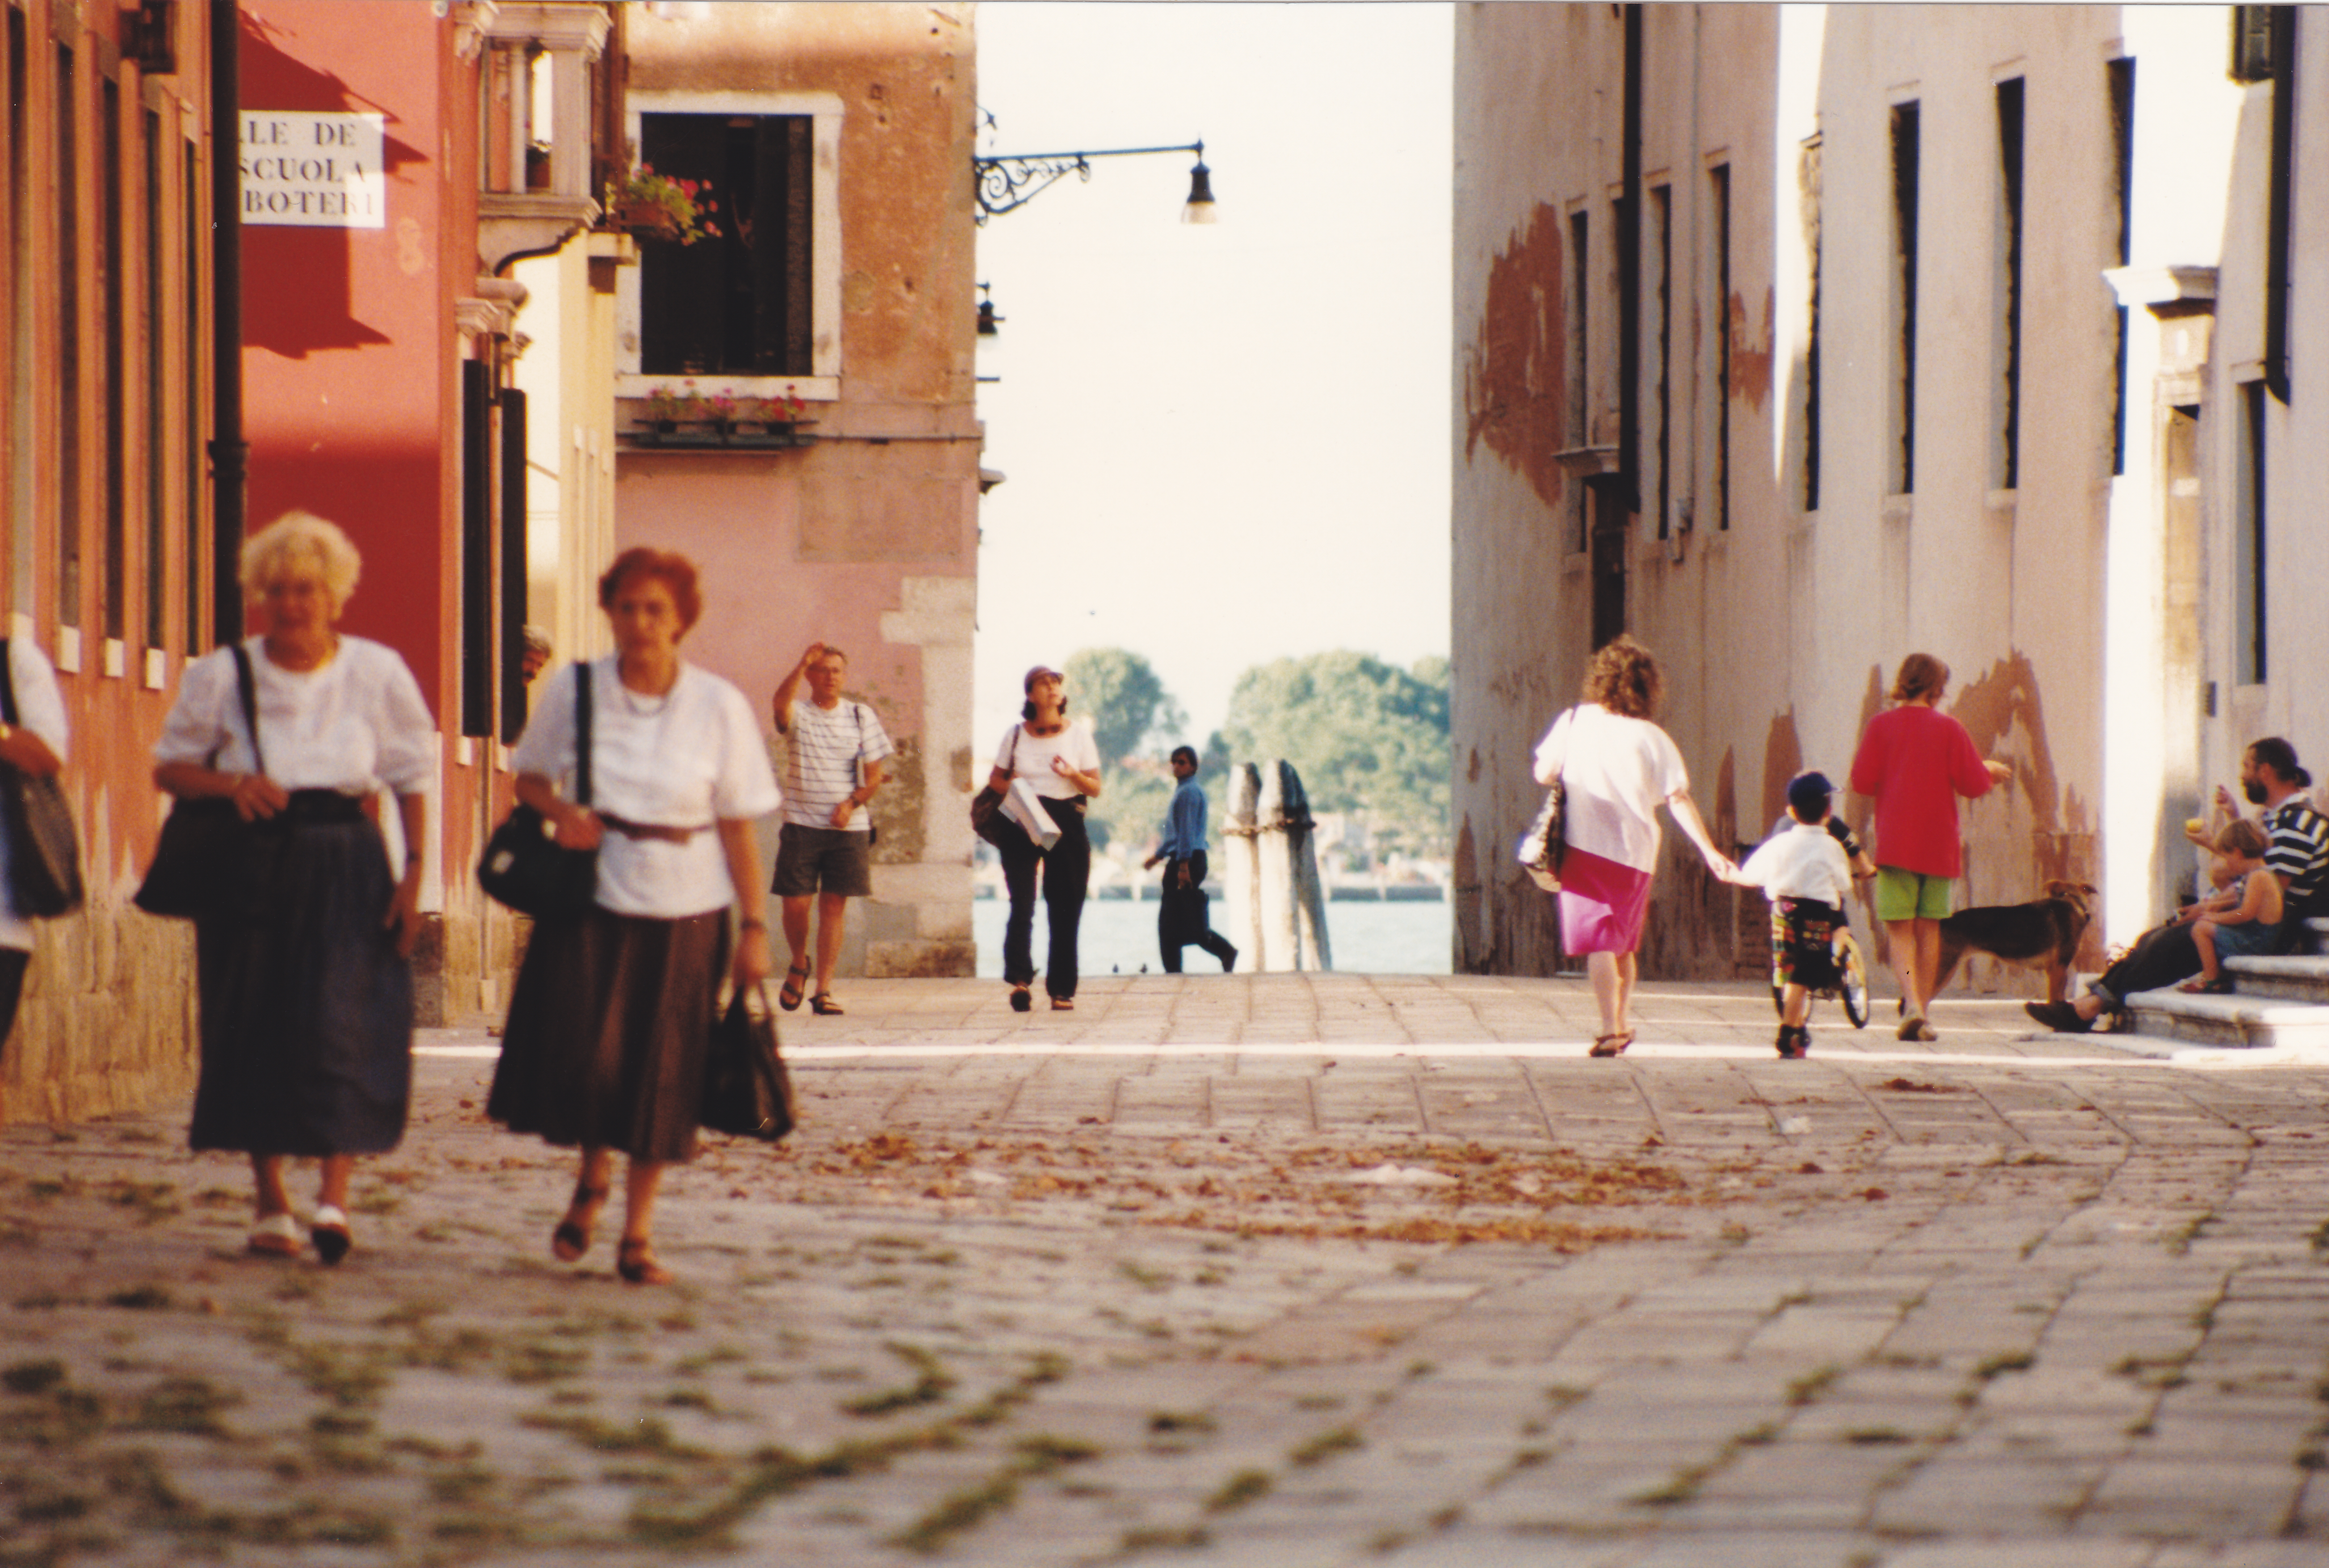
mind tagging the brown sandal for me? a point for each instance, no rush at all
(634, 1260)
(788, 995)
(824, 1006)
(572, 1239)
(1611, 1045)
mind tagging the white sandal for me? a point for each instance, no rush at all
(276, 1235)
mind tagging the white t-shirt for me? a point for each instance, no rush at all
(356, 724)
(822, 751)
(1618, 771)
(690, 758)
(40, 710)
(1803, 862)
(1034, 754)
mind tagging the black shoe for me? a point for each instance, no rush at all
(1020, 1001)
(2059, 1016)
(1228, 961)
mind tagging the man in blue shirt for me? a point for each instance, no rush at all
(1180, 917)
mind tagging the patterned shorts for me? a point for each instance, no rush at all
(1803, 939)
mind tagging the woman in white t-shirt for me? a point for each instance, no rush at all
(307, 1009)
(610, 1014)
(1060, 761)
(1617, 767)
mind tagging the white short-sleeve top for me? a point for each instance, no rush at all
(1618, 771)
(41, 708)
(690, 758)
(1025, 755)
(357, 724)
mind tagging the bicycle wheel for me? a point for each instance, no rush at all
(1853, 974)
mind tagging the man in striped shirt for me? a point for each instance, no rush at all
(1181, 915)
(833, 754)
(2298, 854)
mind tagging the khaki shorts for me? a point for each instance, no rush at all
(1911, 895)
(835, 860)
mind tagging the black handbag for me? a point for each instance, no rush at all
(747, 1090)
(524, 866)
(44, 850)
(986, 818)
(208, 859)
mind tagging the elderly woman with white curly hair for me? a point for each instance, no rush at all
(306, 1006)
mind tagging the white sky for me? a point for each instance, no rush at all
(1224, 445)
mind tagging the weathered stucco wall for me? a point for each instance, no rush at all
(1780, 632)
(867, 539)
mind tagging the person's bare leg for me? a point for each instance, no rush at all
(2203, 937)
(334, 1187)
(1794, 1005)
(1901, 941)
(637, 1260)
(1630, 969)
(271, 1196)
(1608, 985)
(1929, 962)
(831, 914)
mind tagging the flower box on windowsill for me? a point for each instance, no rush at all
(714, 435)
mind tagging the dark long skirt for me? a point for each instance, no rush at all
(306, 1016)
(607, 1025)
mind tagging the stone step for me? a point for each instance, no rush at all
(2293, 977)
(2234, 1022)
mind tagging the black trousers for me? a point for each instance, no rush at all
(1180, 917)
(2159, 957)
(1067, 877)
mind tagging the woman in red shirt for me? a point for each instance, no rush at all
(1916, 760)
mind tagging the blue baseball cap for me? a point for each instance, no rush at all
(1808, 793)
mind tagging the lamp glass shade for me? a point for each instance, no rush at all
(1200, 209)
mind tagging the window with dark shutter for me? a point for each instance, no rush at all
(736, 303)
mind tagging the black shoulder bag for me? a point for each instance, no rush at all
(524, 866)
(986, 818)
(747, 1089)
(43, 852)
(208, 859)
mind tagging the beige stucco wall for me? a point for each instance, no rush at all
(1780, 634)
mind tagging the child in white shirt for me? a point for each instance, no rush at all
(1807, 877)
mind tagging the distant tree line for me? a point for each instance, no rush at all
(1366, 737)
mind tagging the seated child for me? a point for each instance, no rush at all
(1805, 875)
(2252, 923)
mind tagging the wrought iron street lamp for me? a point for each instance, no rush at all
(1002, 184)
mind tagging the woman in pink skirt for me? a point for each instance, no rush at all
(1616, 767)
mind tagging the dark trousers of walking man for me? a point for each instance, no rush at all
(1180, 917)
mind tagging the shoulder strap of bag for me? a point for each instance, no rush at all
(247, 684)
(7, 687)
(581, 733)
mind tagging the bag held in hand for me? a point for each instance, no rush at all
(747, 1090)
(208, 859)
(986, 818)
(44, 850)
(524, 867)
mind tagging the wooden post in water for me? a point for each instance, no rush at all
(1241, 865)
(1308, 894)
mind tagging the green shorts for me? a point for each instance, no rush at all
(1911, 895)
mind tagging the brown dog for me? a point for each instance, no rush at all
(2041, 934)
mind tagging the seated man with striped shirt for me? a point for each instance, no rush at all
(834, 750)
(2298, 854)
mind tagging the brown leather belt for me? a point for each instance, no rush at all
(649, 830)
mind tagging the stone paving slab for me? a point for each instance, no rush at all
(1267, 1269)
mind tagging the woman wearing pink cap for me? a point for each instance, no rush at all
(1060, 761)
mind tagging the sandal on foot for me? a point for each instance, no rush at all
(824, 1006)
(1063, 1004)
(1020, 1000)
(788, 995)
(276, 1235)
(1611, 1045)
(635, 1261)
(329, 1231)
(572, 1239)
(2219, 986)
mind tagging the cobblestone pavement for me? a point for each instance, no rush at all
(1276, 1271)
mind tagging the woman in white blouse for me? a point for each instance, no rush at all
(605, 1045)
(33, 746)
(1059, 762)
(307, 1014)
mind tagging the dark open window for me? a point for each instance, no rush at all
(109, 267)
(1662, 214)
(1811, 176)
(1718, 182)
(157, 429)
(2122, 110)
(736, 303)
(1905, 137)
(2248, 545)
(2007, 467)
(68, 345)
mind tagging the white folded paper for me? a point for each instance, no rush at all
(1023, 806)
